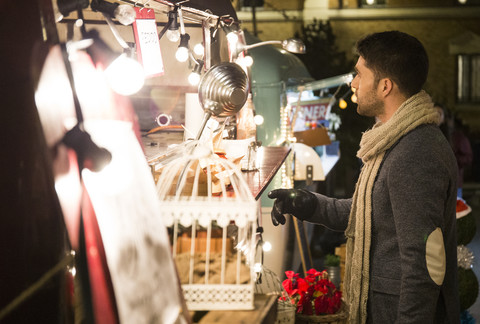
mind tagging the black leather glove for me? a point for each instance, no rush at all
(297, 202)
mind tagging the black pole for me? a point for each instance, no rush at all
(254, 18)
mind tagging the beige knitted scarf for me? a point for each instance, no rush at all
(415, 111)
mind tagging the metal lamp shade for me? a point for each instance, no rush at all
(223, 90)
(294, 46)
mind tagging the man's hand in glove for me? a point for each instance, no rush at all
(297, 202)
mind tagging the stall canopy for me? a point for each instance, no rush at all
(217, 7)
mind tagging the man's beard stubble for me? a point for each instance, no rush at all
(369, 105)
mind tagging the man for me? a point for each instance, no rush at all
(401, 263)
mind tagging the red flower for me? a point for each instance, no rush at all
(314, 294)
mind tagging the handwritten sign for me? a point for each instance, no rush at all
(148, 45)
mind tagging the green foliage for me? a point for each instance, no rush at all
(332, 260)
(322, 59)
(467, 288)
(466, 229)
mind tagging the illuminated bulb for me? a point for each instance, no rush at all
(182, 51)
(462, 1)
(258, 119)
(232, 37)
(194, 78)
(354, 98)
(173, 35)
(125, 14)
(182, 54)
(198, 49)
(246, 61)
(342, 103)
(267, 246)
(125, 75)
(370, 2)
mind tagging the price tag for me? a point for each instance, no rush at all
(148, 46)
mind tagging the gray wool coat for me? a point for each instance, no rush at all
(413, 195)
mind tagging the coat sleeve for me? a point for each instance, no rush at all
(332, 212)
(419, 184)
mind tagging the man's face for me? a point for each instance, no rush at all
(365, 88)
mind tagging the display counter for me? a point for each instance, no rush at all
(269, 161)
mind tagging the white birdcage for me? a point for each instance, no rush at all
(211, 214)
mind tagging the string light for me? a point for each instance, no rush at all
(354, 98)
(267, 246)
(194, 77)
(198, 49)
(173, 33)
(125, 14)
(232, 37)
(124, 74)
(230, 30)
(246, 61)
(342, 103)
(258, 120)
(182, 52)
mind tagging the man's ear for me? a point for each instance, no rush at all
(386, 86)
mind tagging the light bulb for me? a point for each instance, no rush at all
(125, 75)
(194, 78)
(182, 54)
(232, 37)
(182, 51)
(248, 60)
(370, 2)
(125, 14)
(173, 35)
(258, 120)
(267, 246)
(245, 61)
(342, 103)
(199, 49)
(354, 98)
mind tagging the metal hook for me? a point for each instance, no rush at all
(144, 5)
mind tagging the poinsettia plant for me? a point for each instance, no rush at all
(312, 295)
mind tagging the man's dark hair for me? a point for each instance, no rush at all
(396, 55)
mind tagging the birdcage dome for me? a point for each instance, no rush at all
(211, 212)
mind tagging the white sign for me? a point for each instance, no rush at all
(148, 45)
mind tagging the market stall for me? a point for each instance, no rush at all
(124, 147)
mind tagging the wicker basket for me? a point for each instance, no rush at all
(340, 317)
